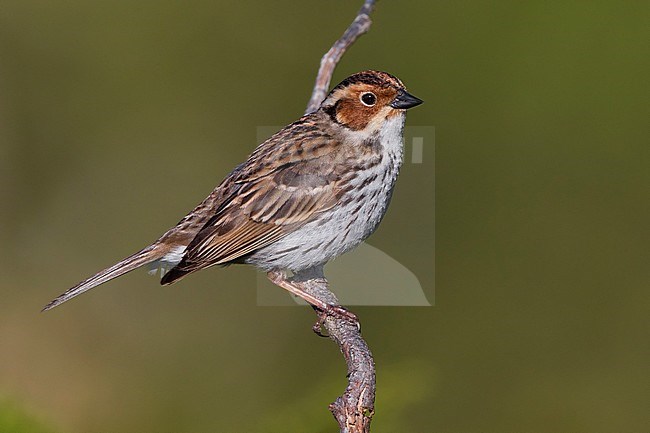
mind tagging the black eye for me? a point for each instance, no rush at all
(368, 99)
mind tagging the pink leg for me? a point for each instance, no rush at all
(279, 279)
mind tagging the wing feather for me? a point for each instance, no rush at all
(270, 198)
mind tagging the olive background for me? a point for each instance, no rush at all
(117, 117)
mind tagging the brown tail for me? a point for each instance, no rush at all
(143, 257)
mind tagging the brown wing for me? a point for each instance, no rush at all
(270, 197)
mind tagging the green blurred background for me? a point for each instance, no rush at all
(117, 117)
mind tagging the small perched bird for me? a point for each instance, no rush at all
(313, 191)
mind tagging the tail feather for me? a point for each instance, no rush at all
(173, 275)
(141, 258)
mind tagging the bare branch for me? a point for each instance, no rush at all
(354, 409)
(359, 26)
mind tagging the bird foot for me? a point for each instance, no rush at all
(336, 311)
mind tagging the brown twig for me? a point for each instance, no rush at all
(354, 409)
(328, 62)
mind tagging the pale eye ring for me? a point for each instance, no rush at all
(368, 99)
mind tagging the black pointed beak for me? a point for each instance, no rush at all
(405, 100)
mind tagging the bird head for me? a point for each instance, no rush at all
(367, 99)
